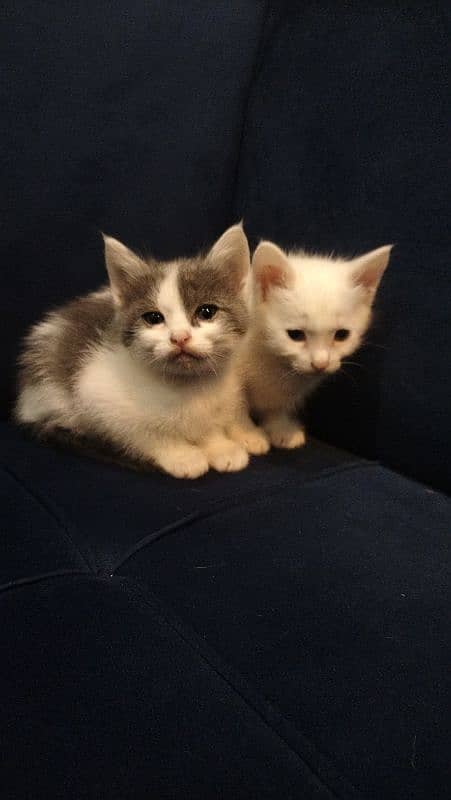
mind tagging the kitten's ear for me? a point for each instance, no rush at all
(231, 253)
(271, 268)
(367, 270)
(124, 268)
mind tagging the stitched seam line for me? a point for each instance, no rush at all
(45, 576)
(273, 13)
(199, 647)
(228, 503)
(252, 80)
(50, 511)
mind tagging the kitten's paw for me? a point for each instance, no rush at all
(186, 462)
(253, 440)
(228, 457)
(286, 435)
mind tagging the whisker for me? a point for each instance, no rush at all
(355, 364)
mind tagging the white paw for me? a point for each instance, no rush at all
(288, 437)
(229, 457)
(255, 441)
(189, 462)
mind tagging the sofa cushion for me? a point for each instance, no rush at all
(104, 699)
(34, 540)
(315, 583)
(108, 511)
(332, 597)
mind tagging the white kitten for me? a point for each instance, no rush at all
(310, 314)
(146, 364)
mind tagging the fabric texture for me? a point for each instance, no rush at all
(282, 632)
(121, 706)
(316, 584)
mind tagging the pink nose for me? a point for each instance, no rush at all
(180, 337)
(320, 361)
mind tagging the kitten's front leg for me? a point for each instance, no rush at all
(223, 454)
(179, 458)
(284, 431)
(244, 431)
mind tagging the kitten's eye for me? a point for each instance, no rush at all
(297, 336)
(206, 311)
(341, 334)
(153, 318)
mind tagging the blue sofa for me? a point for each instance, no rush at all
(283, 632)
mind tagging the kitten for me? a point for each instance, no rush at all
(310, 314)
(146, 363)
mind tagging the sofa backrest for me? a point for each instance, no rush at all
(346, 148)
(122, 117)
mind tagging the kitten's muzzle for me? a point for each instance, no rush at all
(184, 364)
(183, 353)
(186, 356)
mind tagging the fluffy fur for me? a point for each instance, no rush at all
(325, 305)
(159, 389)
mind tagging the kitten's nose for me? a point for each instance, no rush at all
(180, 337)
(320, 361)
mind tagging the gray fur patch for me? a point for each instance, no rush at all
(55, 348)
(203, 282)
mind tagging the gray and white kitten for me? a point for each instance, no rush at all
(310, 314)
(146, 363)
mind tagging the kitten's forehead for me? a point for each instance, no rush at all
(144, 289)
(169, 300)
(323, 283)
(200, 281)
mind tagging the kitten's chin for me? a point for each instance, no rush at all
(311, 372)
(186, 367)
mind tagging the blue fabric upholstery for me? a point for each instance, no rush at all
(281, 632)
(151, 626)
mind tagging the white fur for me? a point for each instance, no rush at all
(321, 300)
(318, 296)
(167, 423)
(38, 402)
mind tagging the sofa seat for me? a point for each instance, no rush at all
(265, 628)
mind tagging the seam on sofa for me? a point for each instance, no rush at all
(44, 576)
(272, 15)
(45, 505)
(336, 786)
(323, 771)
(268, 21)
(228, 502)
